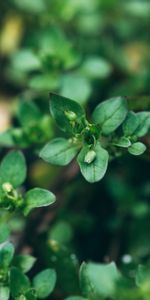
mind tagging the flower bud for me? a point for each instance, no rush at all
(90, 156)
(71, 116)
(7, 187)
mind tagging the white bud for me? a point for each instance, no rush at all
(90, 156)
(7, 187)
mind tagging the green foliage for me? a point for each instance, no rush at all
(96, 140)
(13, 280)
(110, 114)
(82, 51)
(44, 283)
(37, 198)
(13, 169)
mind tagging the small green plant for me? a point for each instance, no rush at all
(112, 130)
(15, 283)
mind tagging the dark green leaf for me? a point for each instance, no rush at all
(59, 106)
(6, 254)
(19, 283)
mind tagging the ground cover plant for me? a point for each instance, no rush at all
(74, 150)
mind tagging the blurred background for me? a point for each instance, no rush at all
(88, 51)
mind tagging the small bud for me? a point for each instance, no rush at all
(90, 156)
(71, 116)
(54, 245)
(7, 187)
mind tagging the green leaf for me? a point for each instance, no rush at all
(61, 232)
(34, 6)
(123, 142)
(44, 82)
(80, 86)
(13, 169)
(143, 276)
(44, 283)
(59, 151)
(19, 283)
(24, 262)
(4, 232)
(6, 138)
(130, 124)
(30, 295)
(28, 113)
(25, 61)
(137, 148)
(4, 292)
(136, 124)
(95, 170)
(38, 197)
(110, 114)
(98, 280)
(59, 106)
(6, 255)
(96, 67)
(144, 123)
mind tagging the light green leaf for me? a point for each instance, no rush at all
(4, 292)
(123, 142)
(28, 113)
(44, 283)
(38, 197)
(4, 232)
(80, 86)
(6, 138)
(61, 232)
(43, 82)
(6, 254)
(34, 6)
(95, 170)
(59, 151)
(143, 276)
(59, 106)
(13, 168)
(96, 67)
(110, 114)
(137, 148)
(24, 262)
(98, 280)
(19, 283)
(25, 61)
